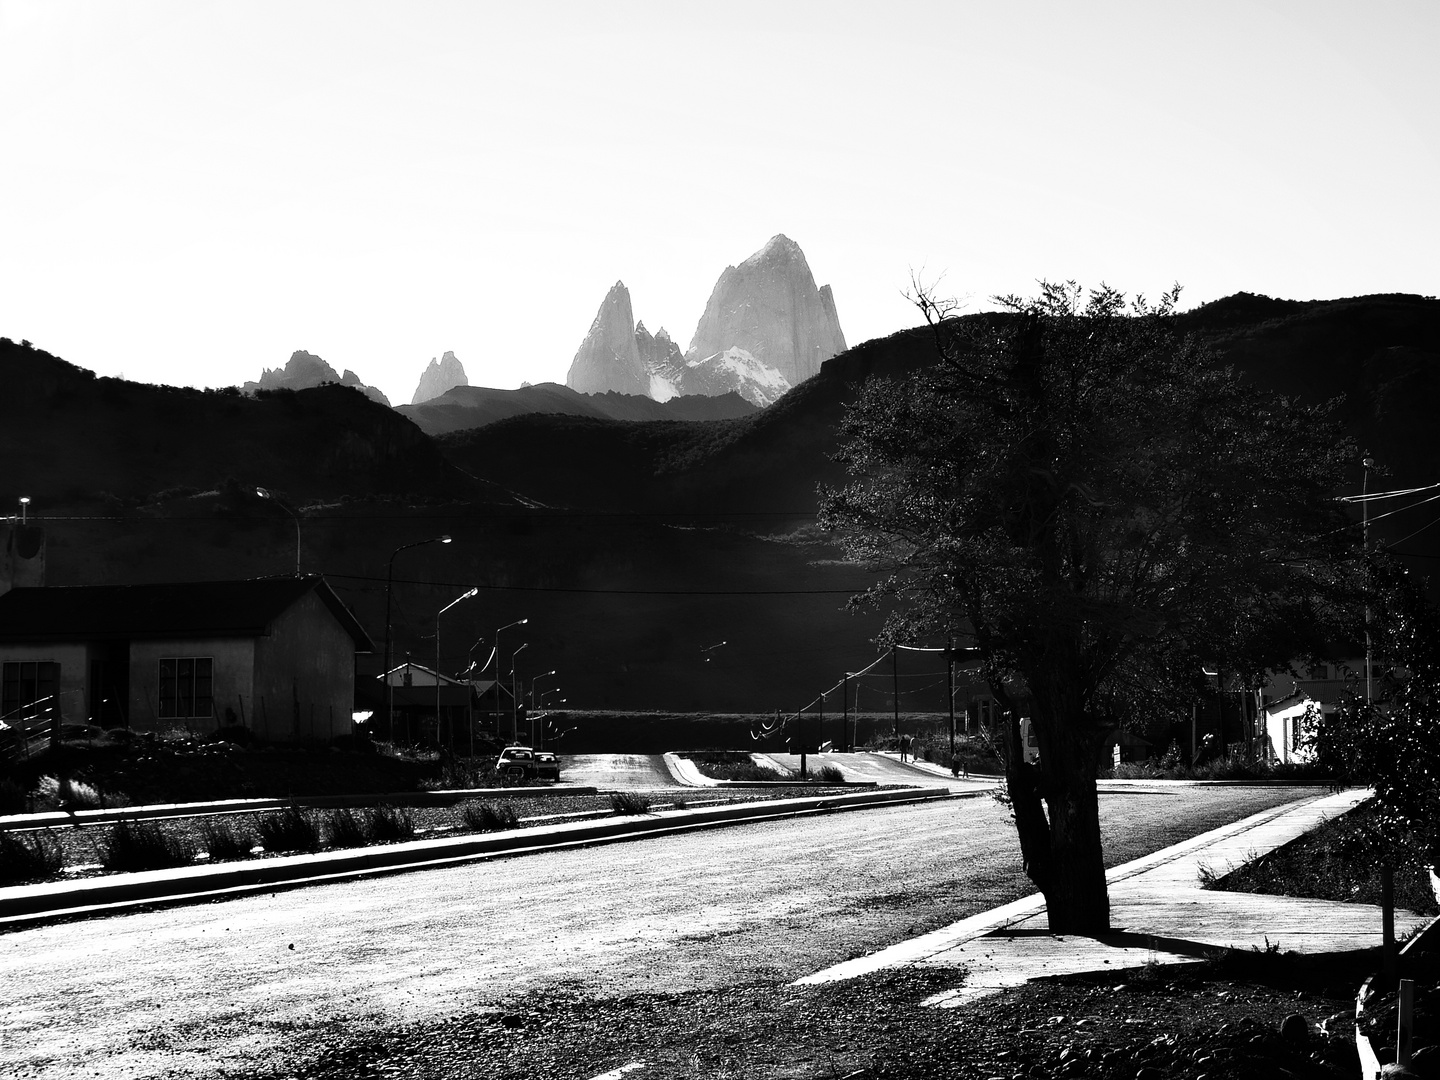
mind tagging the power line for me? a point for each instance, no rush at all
(611, 592)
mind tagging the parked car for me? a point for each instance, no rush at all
(523, 763)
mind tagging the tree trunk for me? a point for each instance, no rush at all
(1057, 816)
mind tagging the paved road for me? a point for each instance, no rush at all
(611, 772)
(238, 986)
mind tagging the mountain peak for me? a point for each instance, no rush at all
(441, 376)
(609, 357)
(770, 308)
(779, 248)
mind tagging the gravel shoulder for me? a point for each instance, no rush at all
(677, 952)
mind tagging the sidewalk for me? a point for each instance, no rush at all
(1158, 912)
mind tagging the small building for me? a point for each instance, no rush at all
(274, 654)
(1294, 700)
(428, 706)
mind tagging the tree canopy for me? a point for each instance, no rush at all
(1103, 510)
(1391, 741)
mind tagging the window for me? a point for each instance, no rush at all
(29, 688)
(185, 687)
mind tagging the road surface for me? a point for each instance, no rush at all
(616, 772)
(249, 985)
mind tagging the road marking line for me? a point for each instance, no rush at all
(616, 1074)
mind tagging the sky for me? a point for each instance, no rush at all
(192, 190)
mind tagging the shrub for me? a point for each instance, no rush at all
(387, 823)
(13, 798)
(829, 774)
(291, 829)
(29, 857)
(461, 774)
(345, 830)
(238, 734)
(68, 794)
(355, 744)
(630, 802)
(144, 845)
(738, 770)
(489, 817)
(225, 842)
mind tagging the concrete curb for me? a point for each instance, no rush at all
(30, 904)
(1370, 1064)
(52, 819)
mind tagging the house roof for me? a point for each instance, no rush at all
(169, 609)
(396, 675)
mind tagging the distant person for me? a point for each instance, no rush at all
(904, 747)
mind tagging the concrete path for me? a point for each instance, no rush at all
(1159, 912)
(883, 768)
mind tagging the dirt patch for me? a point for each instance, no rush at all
(1231, 1017)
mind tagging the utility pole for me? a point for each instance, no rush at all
(895, 684)
(950, 687)
(1367, 463)
(845, 713)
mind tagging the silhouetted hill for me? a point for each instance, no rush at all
(465, 407)
(71, 436)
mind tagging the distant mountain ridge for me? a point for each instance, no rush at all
(765, 328)
(465, 407)
(305, 370)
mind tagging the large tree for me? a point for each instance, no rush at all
(1103, 510)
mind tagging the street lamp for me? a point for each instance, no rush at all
(507, 626)
(534, 706)
(389, 584)
(264, 494)
(514, 698)
(463, 596)
(24, 506)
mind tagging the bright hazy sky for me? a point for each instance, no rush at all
(190, 190)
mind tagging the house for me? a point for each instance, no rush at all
(1292, 700)
(414, 692)
(274, 654)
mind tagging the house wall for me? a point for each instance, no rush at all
(74, 667)
(304, 675)
(233, 666)
(1280, 728)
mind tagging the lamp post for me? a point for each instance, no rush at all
(534, 707)
(389, 585)
(514, 697)
(517, 622)
(463, 596)
(24, 506)
(264, 494)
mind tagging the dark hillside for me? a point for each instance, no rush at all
(1382, 353)
(466, 407)
(72, 438)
